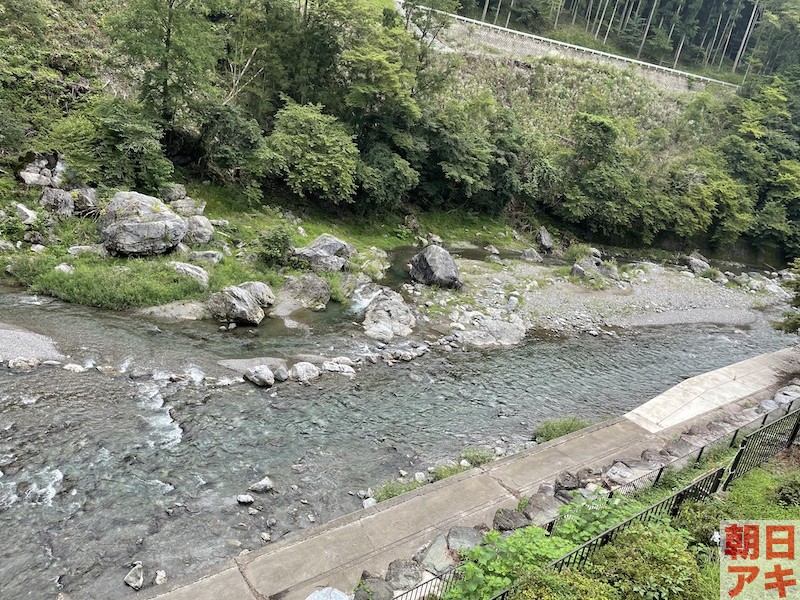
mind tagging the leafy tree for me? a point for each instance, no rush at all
(172, 48)
(385, 178)
(313, 152)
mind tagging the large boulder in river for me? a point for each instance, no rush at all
(388, 316)
(139, 225)
(306, 291)
(261, 292)
(326, 253)
(235, 304)
(435, 266)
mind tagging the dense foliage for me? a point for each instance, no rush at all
(347, 104)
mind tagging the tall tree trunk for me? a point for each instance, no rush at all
(623, 16)
(610, 21)
(485, 10)
(713, 43)
(602, 18)
(589, 13)
(647, 29)
(725, 47)
(746, 37)
(497, 12)
(166, 110)
(678, 53)
(511, 9)
(575, 12)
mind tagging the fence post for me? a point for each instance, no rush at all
(699, 456)
(733, 439)
(658, 477)
(734, 464)
(795, 430)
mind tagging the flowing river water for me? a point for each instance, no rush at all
(99, 470)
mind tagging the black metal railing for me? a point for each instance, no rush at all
(697, 490)
(764, 443)
(436, 587)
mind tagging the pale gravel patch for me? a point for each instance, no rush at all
(16, 342)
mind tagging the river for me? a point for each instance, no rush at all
(97, 474)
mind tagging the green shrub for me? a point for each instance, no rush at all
(477, 456)
(555, 428)
(576, 253)
(700, 519)
(585, 519)
(650, 561)
(788, 494)
(390, 489)
(499, 561)
(444, 471)
(566, 585)
(275, 246)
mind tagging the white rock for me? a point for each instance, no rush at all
(303, 371)
(135, 577)
(244, 499)
(333, 367)
(74, 368)
(64, 268)
(420, 477)
(160, 578)
(264, 485)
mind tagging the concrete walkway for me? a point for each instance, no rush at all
(336, 553)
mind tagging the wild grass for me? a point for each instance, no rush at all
(393, 488)
(555, 428)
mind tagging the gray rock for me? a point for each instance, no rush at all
(139, 225)
(188, 207)
(326, 253)
(58, 202)
(181, 310)
(281, 374)
(531, 255)
(160, 578)
(542, 507)
(618, 474)
(403, 574)
(260, 291)
(97, 249)
(334, 367)
(245, 499)
(64, 268)
(199, 274)
(388, 316)
(199, 231)
(489, 332)
(328, 593)
(567, 481)
(696, 265)
(373, 588)
(436, 557)
(23, 365)
(31, 178)
(303, 371)
(262, 376)
(264, 485)
(435, 266)
(25, 214)
(369, 502)
(463, 538)
(6, 246)
(237, 305)
(491, 249)
(578, 271)
(509, 519)
(209, 256)
(545, 240)
(135, 577)
(85, 201)
(173, 192)
(306, 291)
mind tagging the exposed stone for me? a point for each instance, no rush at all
(326, 253)
(696, 265)
(139, 225)
(436, 557)
(64, 268)
(264, 485)
(403, 574)
(328, 593)
(508, 519)
(489, 332)
(373, 588)
(135, 577)
(281, 374)
(545, 240)
(58, 201)
(567, 481)
(388, 316)
(160, 578)
(23, 365)
(261, 375)
(84, 201)
(199, 231)
(210, 256)
(531, 255)
(97, 249)
(306, 291)
(38, 248)
(369, 502)
(244, 499)
(260, 291)
(333, 367)
(491, 249)
(72, 367)
(25, 214)
(541, 507)
(435, 266)
(182, 310)
(199, 274)
(235, 304)
(6, 246)
(303, 371)
(618, 474)
(173, 192)
(588, 475)
(463, 538)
